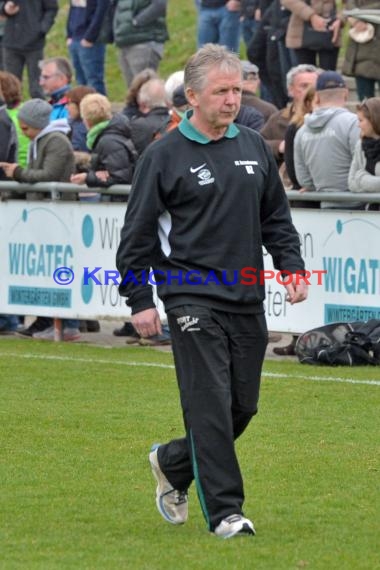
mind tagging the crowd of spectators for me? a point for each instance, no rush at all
(291, 93)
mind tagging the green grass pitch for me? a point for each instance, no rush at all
(77, 423)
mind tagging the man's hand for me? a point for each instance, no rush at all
(147, 323)
(297, 289)
(11, 9)
(8, 168)
(334, 27)
(86, 43)
(233, 5)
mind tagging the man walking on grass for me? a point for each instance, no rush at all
(205, 199)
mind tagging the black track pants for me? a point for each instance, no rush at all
(218, 357)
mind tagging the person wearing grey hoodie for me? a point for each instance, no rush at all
(50, 154)
(324, 146)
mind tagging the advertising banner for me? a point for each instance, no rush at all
(58, 260)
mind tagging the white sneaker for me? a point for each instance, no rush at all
(171, 504)
(234, 525)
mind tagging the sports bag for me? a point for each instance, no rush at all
(346, 344)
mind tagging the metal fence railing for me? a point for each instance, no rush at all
(56, 188)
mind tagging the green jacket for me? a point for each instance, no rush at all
(140, 21)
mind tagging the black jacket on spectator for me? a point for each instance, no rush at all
(113, 151)
(8, 139)
(145, 127)
(34, 20)
(250, 117)
(263, 51)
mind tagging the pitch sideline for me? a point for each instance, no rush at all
(274, 375)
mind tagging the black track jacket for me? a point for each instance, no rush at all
(199, 213)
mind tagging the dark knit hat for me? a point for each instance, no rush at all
(35, 113)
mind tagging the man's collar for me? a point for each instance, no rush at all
(190, 132)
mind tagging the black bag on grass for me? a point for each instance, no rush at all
(345, 344)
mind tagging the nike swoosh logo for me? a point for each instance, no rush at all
(192, 170)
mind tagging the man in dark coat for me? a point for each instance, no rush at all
(26, 27)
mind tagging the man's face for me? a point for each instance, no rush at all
(218, 103)
(28, 131)
(300, 85)
(50, 79)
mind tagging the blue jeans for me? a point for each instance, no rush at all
(219, 26)
(8, 322)
(88, 63)
(366, 87)
(248, 27)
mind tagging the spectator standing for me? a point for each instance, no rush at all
(55, 78)
(364, 173)
(87, 53)
(362, 56)
(322, 17)
(267, 49)
(2, 26)
(219, 23)
(26, 27)
(249, 17)
(324, 146)
(140, 32)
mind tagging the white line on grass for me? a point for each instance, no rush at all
(171, 367)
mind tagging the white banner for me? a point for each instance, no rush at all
(70, 240)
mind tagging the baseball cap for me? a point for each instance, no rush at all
(249, 69)
(179, 97)
(330, 80)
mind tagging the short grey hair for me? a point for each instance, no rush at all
(152, 93)
(62, 64)
(301, 68)
(208, 56)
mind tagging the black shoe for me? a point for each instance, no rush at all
(126, 330)
(92, 326)
(284, 350)
(39, 325)
(287, 350)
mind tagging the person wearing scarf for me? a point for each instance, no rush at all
(364, 173)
